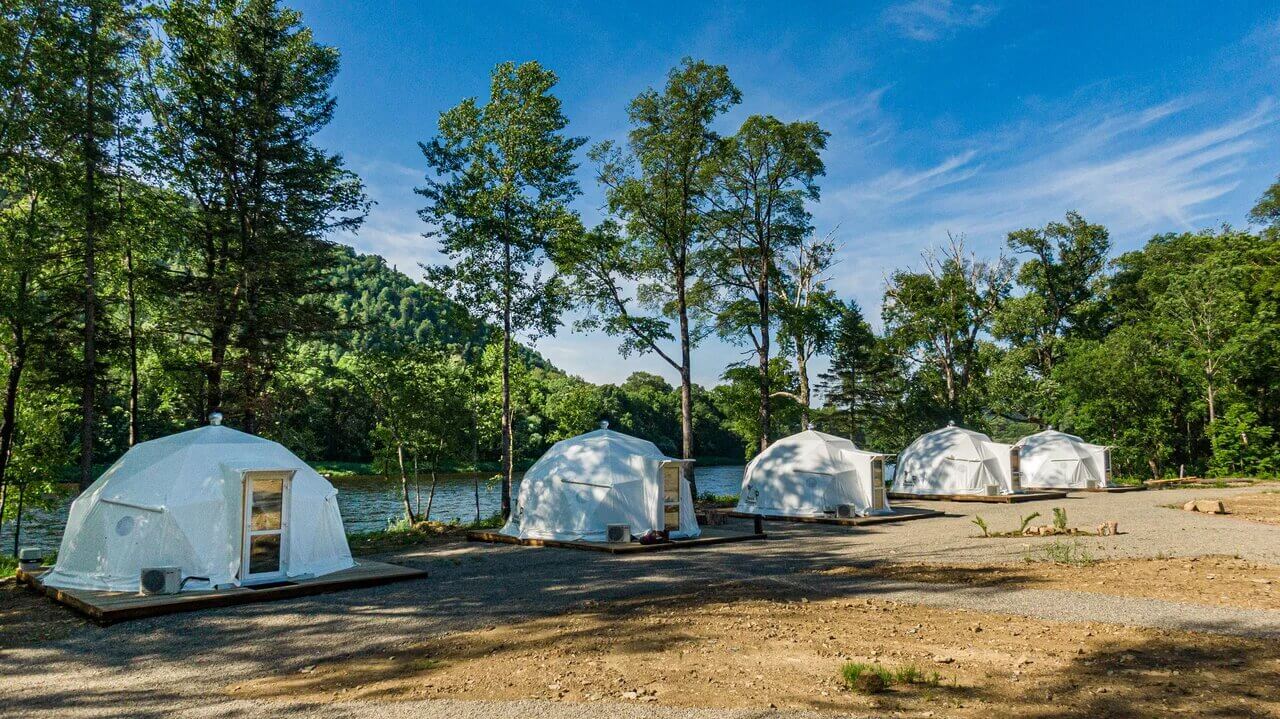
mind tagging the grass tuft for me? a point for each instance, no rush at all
(982, 524)
(874, 678)
(866, 678)
(1061, 552)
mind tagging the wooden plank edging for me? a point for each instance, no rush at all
(630, 548)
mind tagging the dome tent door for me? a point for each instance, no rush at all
(265, 544)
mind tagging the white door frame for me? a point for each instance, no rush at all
(684, 483)
(247, 532)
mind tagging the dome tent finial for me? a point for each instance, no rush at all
(215, 419)
(604, 424)
(952, 423)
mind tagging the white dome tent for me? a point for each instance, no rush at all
(224, 507)
(953, 460)
(811, 474)
(586, 483)
(1057, 460)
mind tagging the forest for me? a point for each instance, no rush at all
(167, 225)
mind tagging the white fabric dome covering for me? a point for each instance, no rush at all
(179, 501)
(809, 474)
(953, 460)
(585, 483)
(1052, 459)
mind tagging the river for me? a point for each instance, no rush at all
(369, 503)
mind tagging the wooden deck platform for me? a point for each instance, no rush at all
(986, 498)
(900, 514)
(111, 607)
(1115, 489)
(709, 537)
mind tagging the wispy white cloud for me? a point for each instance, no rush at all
(1138, 172)
(928, 20)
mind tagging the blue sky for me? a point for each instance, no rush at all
(969, 118)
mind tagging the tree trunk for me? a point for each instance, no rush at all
(404, 485)
(802, 369)
(9, 416)
(89, 367)
(506, 389)
(17, 523)
(131, 301)
(7, 420)
(431, 495)
(762, 294)
(417, 487)
(686, 388)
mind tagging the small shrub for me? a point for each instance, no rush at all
(1060, 552)
(1060, 519)
(1027, 520)
(982, 524)
(8, 566)
(713, 498)
(866, 678)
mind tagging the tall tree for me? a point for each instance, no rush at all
(502, 178)
(238, 90)
(1061, 279)
(808, 311)
(937, 320)
(658, 186)
(763, 176)
(101, 36)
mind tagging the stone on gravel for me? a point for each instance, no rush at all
(1205, 506)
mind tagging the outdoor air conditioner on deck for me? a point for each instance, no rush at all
(992, 490)
(1091, 484)
(618, 533)
(846, 511)
(160, 580)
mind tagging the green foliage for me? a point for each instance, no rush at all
(912, 674)
(1062, 552)
(937, 320)
(862, 384)
(866, 678)
(1242, 445)
(982, 524)
(1022, 525)
(1059, 519)
(738, 399)
(874, 678)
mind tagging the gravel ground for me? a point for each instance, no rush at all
(180, 665)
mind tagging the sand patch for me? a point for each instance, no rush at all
(1209, 580)
(738, 646)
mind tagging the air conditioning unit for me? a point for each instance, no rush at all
(992, 490)
(1091, 484)
(846, 511)
(618, 533)
(161, 580)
